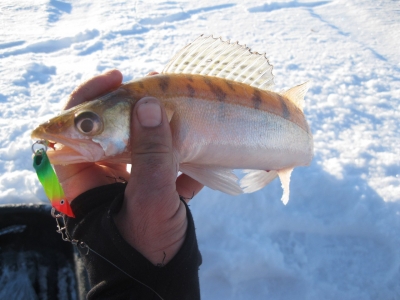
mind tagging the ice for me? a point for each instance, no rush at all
(338, 237)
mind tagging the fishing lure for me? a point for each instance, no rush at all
(49, 180)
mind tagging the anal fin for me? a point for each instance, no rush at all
(216, 178)
(255, 180)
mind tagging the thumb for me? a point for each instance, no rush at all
(152, 218)
(154, 168)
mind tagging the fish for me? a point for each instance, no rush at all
(223, 113)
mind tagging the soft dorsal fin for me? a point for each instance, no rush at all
(296, 94)
(214, 57)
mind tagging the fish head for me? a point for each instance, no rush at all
(92, 131)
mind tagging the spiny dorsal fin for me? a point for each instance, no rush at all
(214, 57)
(296, 94)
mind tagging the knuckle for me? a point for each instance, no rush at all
(155, 144)
(154, 171)
(154, 147)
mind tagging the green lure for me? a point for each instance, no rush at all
(51, 185)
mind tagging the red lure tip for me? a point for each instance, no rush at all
(64, 207)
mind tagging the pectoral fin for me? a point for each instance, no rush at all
(170, 113)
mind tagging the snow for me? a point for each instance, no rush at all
(338, 237)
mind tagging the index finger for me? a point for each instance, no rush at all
(187, 187)
(94, 87)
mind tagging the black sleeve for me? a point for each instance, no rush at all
(114, 267)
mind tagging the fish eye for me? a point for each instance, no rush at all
(88, 122)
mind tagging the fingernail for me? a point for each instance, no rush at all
(149, 112)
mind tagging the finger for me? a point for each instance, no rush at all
(94, 87)
(187, 187)
(154, 168)
(152, 219)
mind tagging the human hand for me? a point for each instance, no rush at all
(152, 218)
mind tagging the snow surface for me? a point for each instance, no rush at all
(339, 235)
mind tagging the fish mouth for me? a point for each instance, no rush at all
(64, 151)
